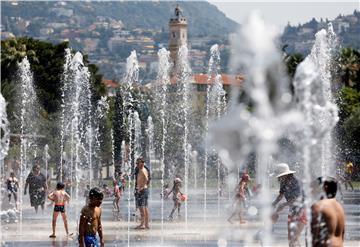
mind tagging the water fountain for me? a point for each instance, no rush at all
(100, 114)
(314, 98)
(215, 107)
(46, 158)
(4, 147)
(131, 77)
(253, 125)
(242, 131)
(76, 129)
(151, 146)
(29, 116)
(313, 91)
(184, 79)
(163, 79)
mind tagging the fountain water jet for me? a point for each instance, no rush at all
(163, 79)
(29, 114)
(184, 79)
(4, 147)
(312, 85)
(242, 131)
(131, 77)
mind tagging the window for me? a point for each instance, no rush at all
(173, 34)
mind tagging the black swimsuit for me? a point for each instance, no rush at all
(59, 208)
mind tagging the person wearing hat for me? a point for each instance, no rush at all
(177, 194)
(291, 189)
(241, 198)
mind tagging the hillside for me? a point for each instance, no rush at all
(301, 38)
(108, 31)
(204, 18)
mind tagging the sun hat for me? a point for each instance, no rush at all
(282, 169)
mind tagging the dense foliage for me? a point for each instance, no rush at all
(46, 60)
(349, 103)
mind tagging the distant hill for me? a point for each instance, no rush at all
(301, 38)
(203, 18)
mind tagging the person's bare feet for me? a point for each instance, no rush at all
(242, 221)
(147, 227)
(140, 227)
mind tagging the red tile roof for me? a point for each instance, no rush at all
(234, 80)
(110, 83)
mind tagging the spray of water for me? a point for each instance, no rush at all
(76, 126)
(4, 144)
(131, 77)
(29, 115)
(243, 131)
(163, 79)
(312, 85)
(184, 79)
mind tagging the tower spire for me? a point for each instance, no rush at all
(177, 33)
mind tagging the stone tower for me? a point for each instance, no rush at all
(177, 33)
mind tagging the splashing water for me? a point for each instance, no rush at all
(184, 77)
(131, 77)
(163, 79)
(5, 131)
(241, 131)
(76, 127)
(29, 114)
(312, 85)
(313, 91)
(100, 117)
(4, 144)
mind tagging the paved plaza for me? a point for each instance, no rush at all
(34, 230)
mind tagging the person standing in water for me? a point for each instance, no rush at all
(176, 197)
(142, 193)
(90, 221)
(12, 186)
(327, 215)
(37, 187)
(59, 197)
(117, 195)
(291, 189)
(241, 198)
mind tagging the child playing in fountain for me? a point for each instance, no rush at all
(165, 192)
(59, 197)
(240, 198)
(176, 197)
(117, 196)
(12, 185)
(90, 221)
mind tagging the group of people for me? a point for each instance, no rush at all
(327, 215)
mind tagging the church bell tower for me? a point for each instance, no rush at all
(177, 33)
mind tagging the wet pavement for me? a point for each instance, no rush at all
(34, 229)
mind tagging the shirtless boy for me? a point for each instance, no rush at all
(90, 221)
(59, 197)
(327, 215)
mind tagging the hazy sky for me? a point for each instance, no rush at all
(281, 12)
